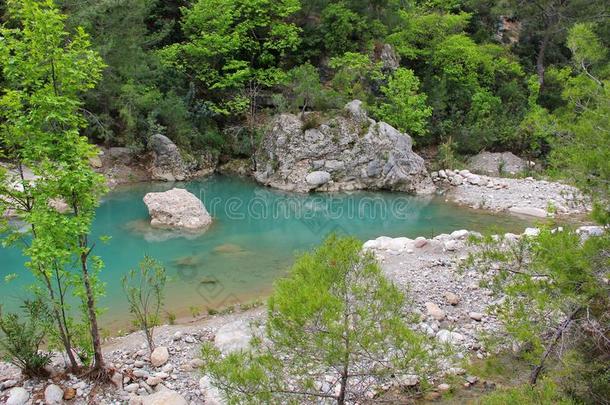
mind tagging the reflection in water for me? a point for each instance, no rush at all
(252, 241)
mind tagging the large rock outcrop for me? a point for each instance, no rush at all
(348, 152)
(495, 164)
(177, 209)
(167, 163)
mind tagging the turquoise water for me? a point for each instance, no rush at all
(253, 239)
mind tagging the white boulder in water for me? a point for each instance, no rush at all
(177, 209)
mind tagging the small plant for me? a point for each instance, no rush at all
(171, 318)
(144, 288)
(446, 158)
(212, 311)
(311, 121)
(195, 311)
(21, 341)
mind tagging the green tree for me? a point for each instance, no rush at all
(355, 74)
(46, 71)
(145, 290)
(234, 51)
(336, 318)
(403, 106)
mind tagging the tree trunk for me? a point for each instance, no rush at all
(95, 332)
(540, 69)
(558, 333)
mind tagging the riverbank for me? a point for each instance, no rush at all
(453, 305)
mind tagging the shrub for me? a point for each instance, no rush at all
(21, 341)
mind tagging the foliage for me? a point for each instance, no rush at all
(355, 73)
(554, 291)
(306, 90)
(404, 107)
(545, 393)
(22, 341)
(584, 121)
(335, 316)
(46, 70)
(145, 290)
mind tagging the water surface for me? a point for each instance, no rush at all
(253, 240)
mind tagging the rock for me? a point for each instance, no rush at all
(359, 152)
(159, 356)
(531, 232)
(494, 164)
(7, 384)
(177, 336)
(474, 180)
(420, 242)
(450, 245)
(132, 387)
(444, 387)
(196, 363)
(167, 164)
(461, 234)
(318, 178)
(233, 336)
(177, 209)
(434, 311)
(592, 230)
(69, 393)
(408, 380)
(17, 396)
(389, 58)
(452, 299)
(117, 380)
(456, 180)
(164, 397)
(445, 336)
(236, 167)
(211, 394)
(95, 162)
(153, 381)
(530, 211)
(53, 395)
(140, 373)
(477, 316)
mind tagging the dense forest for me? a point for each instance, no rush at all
(470, 75)
(458, 76)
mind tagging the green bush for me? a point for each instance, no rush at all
(21, 340)
(545, 393)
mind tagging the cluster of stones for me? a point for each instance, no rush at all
(528, 196)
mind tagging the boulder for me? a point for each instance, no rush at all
(164, 397)
(476, 316)
(167, 163)
(494, 164)
(233, 336)
(434, 311)
(17, 396)
(318, 178)
(177, 209)
(452, 299)
(53, 395)
(529, 211)
(211, 394)
(159, 356)
(352, 149)
(445, 336)
(388, 57)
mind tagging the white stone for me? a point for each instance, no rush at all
(153, 381)
(464, 173)
(318, 178)
(233, 336)
(445, 336)
(159, 356)
(17, 396)
(132, 387)
(451, 245)
(442, 174)
(530, 211)
(177, 209)
(434, 311)
(531, 232)
(177, 335)
(164, 397)
(420, 242)
(452, 299)
(53, 394)
(477, 316)
(461, 234)
(457, 180)
(211, 394)
(444, 387)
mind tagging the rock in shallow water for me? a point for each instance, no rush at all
(177, 209)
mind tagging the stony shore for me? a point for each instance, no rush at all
(453, 305)
(526, 196)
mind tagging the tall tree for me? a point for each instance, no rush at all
(234, 51)
(336, 328)
(47, 70)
